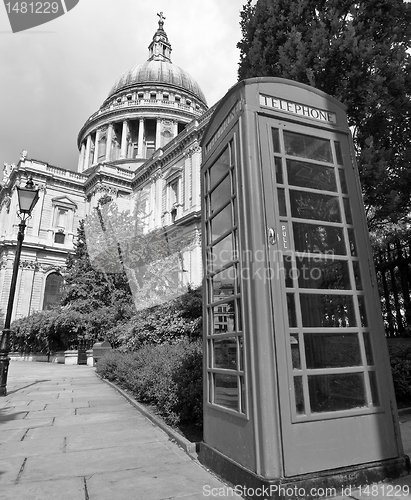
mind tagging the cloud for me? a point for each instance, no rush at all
(56, 75)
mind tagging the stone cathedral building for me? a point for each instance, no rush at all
(143, 141)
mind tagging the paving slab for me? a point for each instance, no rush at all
(88, 462)
(178, 480)
(95, 418)
(29, 448)
(120, 424)
(57, 412)
(20, 424)
(118, 408)
(12, 415)
(68, 435)
(10, 469)
(61, 489)
(13, 435)
(109, 439)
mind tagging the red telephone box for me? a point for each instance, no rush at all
(298, 386)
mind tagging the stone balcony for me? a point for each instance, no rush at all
(144, 103)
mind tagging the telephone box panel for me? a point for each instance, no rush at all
(297, 375)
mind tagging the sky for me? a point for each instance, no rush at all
(54, 76)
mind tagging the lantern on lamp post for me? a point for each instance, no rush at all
(28, 197)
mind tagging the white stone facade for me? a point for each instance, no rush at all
(143, 143)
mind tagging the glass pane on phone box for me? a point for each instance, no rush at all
(295, 352)
(338, 152)
(292, 317)
(307, 205)
(224, 318)
(276, 140)
(222, 252)
(316, 238)
(299, 395)
(336, 392)
(225, 353)
(220, 168)
(226, 391)
(221, 195)
(307, 146)
(311, 175)
(323, 273)
(327, 310)
(221, 223)
(223, 283)
(332, 350)
(278, 170)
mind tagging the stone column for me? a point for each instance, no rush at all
(96, 141)
(175, 129)
(81, 157)
(196, 180)
(186, 198)
(38, 211)
(109, 141)
(158, 133)
(140, 138)
(27, 290)
(158, 202)
(123, 153)
(87, 158)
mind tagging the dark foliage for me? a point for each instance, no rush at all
(357, 52)
(400, 358)
(167, 376)
(181, 317)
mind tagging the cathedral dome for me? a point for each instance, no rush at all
(147, 107)
(161, 72)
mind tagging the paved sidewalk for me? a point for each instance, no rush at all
(67, 435)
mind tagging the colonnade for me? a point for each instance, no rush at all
(125, 140)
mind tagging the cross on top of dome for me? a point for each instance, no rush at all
(161, 20)
(160, 48)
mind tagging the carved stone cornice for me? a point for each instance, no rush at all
(102, 188)
(45, 268)
(29, 264)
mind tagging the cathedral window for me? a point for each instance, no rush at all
(52, 290)
(59, 237)
(63, 218)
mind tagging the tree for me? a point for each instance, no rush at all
(357, 52)
(100, 298)
(120, 242)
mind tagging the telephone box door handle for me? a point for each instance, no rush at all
(272, 236)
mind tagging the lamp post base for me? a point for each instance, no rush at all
(4, 368)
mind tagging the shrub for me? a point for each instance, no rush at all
(400, 358)
(46, 331)
(165, 323)
(167, 376)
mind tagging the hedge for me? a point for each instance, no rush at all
(400, 358)
(168, 376)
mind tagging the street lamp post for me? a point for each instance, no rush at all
(28, 197)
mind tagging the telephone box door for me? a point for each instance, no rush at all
(334, 402)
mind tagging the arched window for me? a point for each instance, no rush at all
(52, 290)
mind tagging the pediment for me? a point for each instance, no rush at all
(64, 201)
(173, 171)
